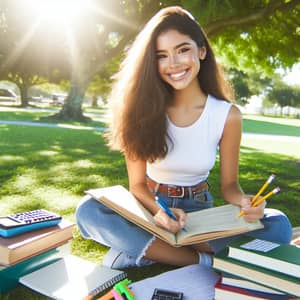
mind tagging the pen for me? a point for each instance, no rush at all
(261, 200)
(167, 210)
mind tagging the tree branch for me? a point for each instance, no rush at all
(219, 26)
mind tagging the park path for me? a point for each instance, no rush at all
(272, 137)
(279, 138)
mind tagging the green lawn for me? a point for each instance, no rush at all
(52, 167)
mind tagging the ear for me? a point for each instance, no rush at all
(202, 53)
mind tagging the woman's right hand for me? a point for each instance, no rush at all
(163, 220)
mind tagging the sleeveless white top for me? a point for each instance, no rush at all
(194, 149)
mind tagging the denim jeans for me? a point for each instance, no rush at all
(100, 223)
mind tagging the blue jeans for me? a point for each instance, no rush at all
(101, 224)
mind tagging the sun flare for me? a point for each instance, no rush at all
(57, 11)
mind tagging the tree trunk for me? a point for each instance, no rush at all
(72, 108)
(94, 101)
(24, 95)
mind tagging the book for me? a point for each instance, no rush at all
(72, 278)
(201, 226)
(233, 281)
(236, 288)
(26, 245)
(283, 258)
(9, 276)
(194, 281)
(226, 293)
(269, 278)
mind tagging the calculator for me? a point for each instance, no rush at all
(18, 223)
(160, 294)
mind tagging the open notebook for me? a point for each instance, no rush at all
(72, 278)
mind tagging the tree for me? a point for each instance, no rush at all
(226, 22)
(284, 94)
(26, 58)
(242, 33)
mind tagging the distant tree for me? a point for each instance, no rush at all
(284, 94)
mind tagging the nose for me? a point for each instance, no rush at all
(173, 60)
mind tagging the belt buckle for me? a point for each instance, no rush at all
(177, 189)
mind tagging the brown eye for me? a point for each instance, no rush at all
(183, 50)
(160, 56)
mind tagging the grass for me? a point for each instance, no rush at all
(52, 167)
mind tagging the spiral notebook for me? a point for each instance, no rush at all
(72, 278)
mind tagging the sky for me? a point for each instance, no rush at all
(294, 76)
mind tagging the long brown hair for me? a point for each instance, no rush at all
(140, 97)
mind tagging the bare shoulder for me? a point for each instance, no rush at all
(234, 113)
(233, 122)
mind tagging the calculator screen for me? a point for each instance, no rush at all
(5, 221)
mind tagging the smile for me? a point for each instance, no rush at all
(179, 75)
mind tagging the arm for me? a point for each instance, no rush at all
(136, 170)
(138, 187)
(229, 166)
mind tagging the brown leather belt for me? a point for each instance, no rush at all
(175, 190)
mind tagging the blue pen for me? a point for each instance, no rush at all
(167, 210)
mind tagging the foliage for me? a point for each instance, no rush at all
(284, 94)
(242, 33)
(26, 57)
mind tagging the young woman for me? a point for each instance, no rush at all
(172, 114)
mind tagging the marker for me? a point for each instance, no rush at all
(167, 210)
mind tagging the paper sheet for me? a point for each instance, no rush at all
(195, 281)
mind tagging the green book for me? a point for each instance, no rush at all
(9, 276)
(282, 258)
(276, 280)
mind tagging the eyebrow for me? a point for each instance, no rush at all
(177, 46)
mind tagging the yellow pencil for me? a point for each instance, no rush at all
(269, 180)
(261, 200)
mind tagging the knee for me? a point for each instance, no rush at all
(87, 216)
(85, 208)
(279, 226)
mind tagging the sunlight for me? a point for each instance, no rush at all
(58, 11)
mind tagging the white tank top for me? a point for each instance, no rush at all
(194, 149)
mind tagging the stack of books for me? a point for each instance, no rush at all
(29, 251)
(258, 269)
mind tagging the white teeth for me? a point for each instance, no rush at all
(177, 75)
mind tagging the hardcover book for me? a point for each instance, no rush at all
(26, 245)
(9, 276)
(225, 293)
(201, 226)
(237, 288)
(282, 258)
(275, 280)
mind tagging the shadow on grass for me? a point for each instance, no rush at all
(41, 161)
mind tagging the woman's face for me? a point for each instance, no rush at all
(178, 58)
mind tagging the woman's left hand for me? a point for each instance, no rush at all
(252, 213)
